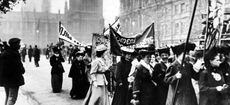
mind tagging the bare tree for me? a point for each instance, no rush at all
(7, 5)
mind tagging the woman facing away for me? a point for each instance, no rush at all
(98, 93)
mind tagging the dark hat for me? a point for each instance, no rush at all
(225, 49)
(13, 41)
(164, 50)
(198, 54)
(180, 48)
(55, 49)
(210, 54)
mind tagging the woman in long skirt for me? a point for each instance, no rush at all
(98, 93)
(57, 70)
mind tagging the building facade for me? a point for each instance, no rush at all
(171, 19)
(35, 26)
(84, 17)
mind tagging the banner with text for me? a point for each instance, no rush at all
(65, 35)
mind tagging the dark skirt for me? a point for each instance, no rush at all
(79, 88)
(121, 96)
(56, 82)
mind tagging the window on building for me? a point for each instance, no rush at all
(183, 8)
(182, 28)
(176, 9)
(176, 28)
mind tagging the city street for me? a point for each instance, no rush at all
(37, 89)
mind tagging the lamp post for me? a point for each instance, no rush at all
(38, 40)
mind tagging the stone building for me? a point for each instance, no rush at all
(171, 19)
(85, 17)
(34, 24)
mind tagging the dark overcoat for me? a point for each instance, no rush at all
(208, 92)
(145, 87)
(225, 68)
(37, 53)
(56, 63)
(162, 86)
(185, 94)
(80, 83)
(122, 95)
(11, 69)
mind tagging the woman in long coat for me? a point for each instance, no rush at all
(213, 88)
(57, 70)
(144, 88)
(185, 94)
(80, 82)
(122, 96)
(98, 93)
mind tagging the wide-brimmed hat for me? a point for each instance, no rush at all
(164, 50)
(127, 50)
(178, 49)
(13, 41)
(101, 47)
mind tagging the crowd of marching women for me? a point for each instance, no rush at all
(149, 76)
(143, 75)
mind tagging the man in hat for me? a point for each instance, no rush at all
(12, 71)
(160, 71)
(121, 96)
(184, 95)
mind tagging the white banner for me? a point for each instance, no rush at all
(65, 35)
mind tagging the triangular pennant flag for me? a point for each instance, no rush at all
(148, 32)
(114, 45)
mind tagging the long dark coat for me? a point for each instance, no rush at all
(208, 92)
(185, 94)
(80, 83)
(162, 86)
(122, 95)
(30, 52)
(225, 68)
(57, 71)
(11, 70)
(145, 87)
(36, 53)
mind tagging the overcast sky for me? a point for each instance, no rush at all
(110, 8)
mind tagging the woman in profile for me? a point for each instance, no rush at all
(98, 93)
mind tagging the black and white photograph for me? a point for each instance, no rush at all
(114, 52)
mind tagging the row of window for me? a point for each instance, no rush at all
(178, 28)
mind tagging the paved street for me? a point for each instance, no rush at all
(37, 89)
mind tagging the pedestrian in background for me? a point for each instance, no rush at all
(36, 53)
(23, 53)
(57, 70)
(98, 93)
(30, 53)
(11, 71)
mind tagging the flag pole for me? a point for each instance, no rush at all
(186, 45)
